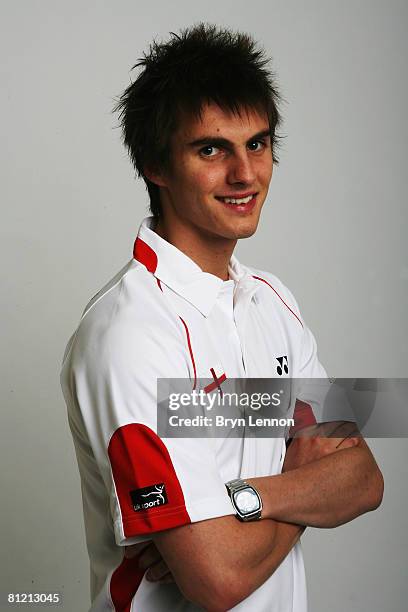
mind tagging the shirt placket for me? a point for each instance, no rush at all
(243, 301)
(243, 297)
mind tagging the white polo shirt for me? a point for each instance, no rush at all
(161, 316)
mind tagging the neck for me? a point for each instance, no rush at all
(211, 253)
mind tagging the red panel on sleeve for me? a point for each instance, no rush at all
(124, 583)
(139, 459)
(303, 416)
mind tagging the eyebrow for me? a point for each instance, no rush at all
(224, 142)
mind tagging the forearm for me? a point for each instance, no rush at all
(234, 560)
(258, 560)
(324, 493)
(286, 536)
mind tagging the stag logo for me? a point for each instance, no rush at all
(149, 497)
(158, 492)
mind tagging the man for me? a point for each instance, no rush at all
(200, 124)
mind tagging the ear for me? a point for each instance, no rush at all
(155, 176)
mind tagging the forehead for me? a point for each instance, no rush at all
(218, 122)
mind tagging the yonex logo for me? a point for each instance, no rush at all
(283, 366)
(149, 497)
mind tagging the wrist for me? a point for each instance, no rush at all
(245, 499)
(271, 491)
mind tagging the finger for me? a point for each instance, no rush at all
(157, 571)
(149, 557)
(348, 442)
(135, 549)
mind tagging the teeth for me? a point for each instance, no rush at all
(237, 200)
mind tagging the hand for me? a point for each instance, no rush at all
(151, 560)
(313, 443)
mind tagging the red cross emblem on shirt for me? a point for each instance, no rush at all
(217, 382)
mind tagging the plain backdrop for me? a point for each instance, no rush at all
(333, 230)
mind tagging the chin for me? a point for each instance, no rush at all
(238, 233)
(245, 233)
(245, 230)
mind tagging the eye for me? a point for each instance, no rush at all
(209, 151)
(256, 145)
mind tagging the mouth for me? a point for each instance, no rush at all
(239, 203)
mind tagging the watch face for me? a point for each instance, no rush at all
(247, 501)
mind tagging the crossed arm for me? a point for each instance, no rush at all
(326, 481)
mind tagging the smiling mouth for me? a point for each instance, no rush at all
(237, 201)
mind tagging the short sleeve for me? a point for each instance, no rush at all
(152, 483)
(317, 401)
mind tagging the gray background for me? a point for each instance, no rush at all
(333, 231)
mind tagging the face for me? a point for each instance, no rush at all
(219, 174)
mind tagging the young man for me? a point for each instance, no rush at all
(200, 124)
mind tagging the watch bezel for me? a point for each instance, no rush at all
(249, 516)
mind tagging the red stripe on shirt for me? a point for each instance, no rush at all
(303, 417)
(124, 583)
(282, 300)
(191, 352)
(144, 253)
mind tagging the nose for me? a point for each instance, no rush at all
(241, 169)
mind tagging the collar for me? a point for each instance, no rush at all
(176, 270)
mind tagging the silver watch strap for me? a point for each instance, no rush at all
(236, 484)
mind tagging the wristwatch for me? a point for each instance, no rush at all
(245, 499)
